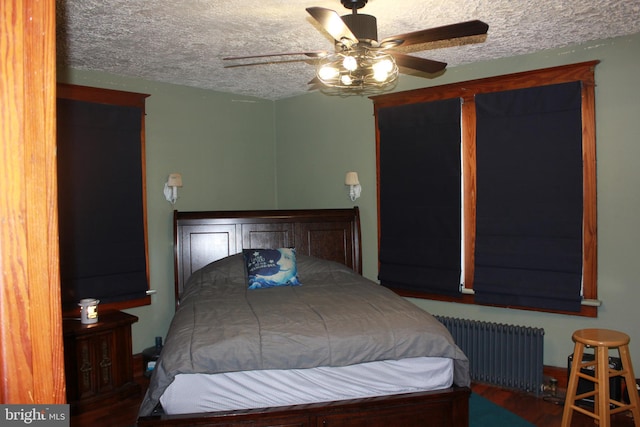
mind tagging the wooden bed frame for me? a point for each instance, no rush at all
(334, 234)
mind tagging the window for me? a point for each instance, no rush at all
(526, 164)
(101, 197)
(420, 247)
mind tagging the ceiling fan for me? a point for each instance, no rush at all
(361, 62)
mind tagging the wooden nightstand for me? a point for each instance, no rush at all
(99, 361)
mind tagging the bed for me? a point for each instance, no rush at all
(305, 354)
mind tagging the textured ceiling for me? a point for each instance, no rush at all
(184, 41)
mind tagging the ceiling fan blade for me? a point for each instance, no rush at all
(446, 32)
(333, 24)
(311, 54)
(420, 64)
(267, 62)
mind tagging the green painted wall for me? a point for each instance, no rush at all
(224, 147)
(243, 153)
(319, 138)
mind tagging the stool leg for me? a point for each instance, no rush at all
(567, 413)
(602, 368)
(630, 380)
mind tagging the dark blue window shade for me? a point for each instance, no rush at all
(529, 197)
(420, 178)
(100, 198)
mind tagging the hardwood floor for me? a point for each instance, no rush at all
(542, 412)
(122, 414)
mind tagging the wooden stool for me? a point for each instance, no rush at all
(601, 340)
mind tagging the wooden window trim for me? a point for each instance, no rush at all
(125, 99)
(583, 72)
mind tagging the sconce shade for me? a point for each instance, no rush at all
(175, 180)
(351, 179)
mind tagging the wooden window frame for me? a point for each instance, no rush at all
(124, 99)
(583, 72)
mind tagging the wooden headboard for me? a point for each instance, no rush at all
(203, 237)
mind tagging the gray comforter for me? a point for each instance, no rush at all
(336, 318)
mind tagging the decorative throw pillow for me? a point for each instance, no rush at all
(271, 267)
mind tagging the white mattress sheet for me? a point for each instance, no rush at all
(194, 393)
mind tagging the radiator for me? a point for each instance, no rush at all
(504, 355)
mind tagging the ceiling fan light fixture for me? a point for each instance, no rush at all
(380, 75)
(357, 70)
(384, 65)
(346, 80)
(350, 63)
(328, 72)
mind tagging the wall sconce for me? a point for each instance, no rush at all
(171, 187)
(354, 185)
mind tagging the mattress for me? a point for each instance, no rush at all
(335, 318)
(195, 393)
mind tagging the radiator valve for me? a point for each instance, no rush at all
(551, 388)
